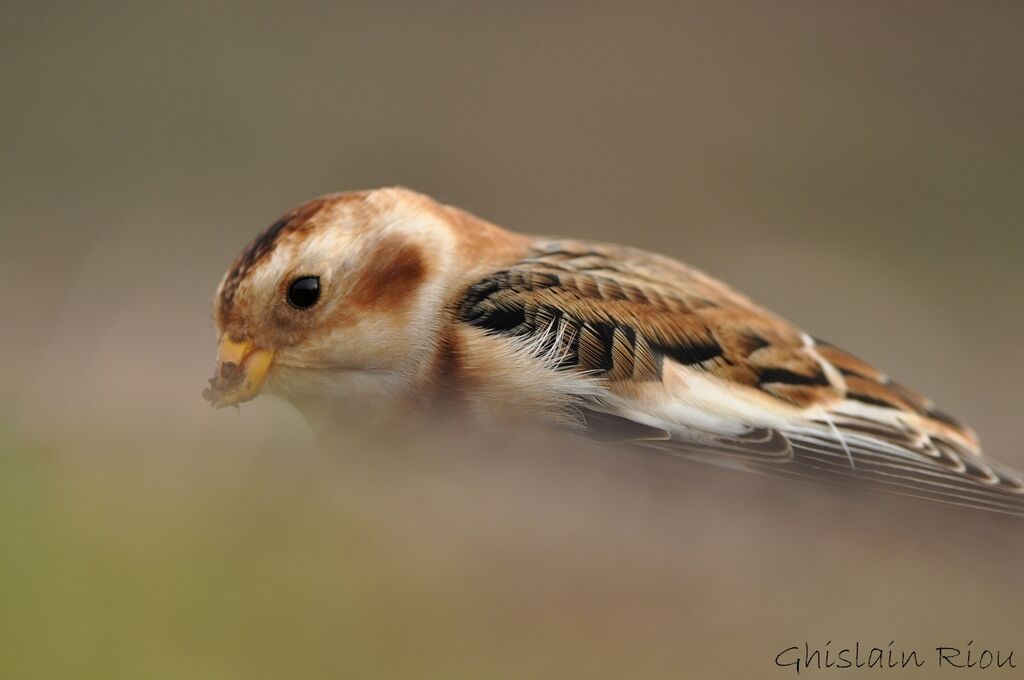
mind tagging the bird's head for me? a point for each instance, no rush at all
(342, 294)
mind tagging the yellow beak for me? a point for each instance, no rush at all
(241, 370)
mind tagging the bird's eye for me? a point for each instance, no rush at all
(304, 292)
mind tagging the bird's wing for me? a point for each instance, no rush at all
(693, 368)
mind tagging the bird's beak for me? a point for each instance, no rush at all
(241, 369)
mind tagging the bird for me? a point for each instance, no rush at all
(386, 302)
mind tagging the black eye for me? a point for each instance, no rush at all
(304, 292)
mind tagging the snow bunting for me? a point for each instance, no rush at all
(389, 301)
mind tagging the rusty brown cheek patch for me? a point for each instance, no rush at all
(393, 272)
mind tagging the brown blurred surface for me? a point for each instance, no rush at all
(856, 168)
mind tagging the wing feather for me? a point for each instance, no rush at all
(692, 368)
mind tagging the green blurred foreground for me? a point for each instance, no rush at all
(434, 556)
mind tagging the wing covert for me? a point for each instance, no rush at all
(644, 325)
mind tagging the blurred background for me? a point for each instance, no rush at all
(858, 168)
